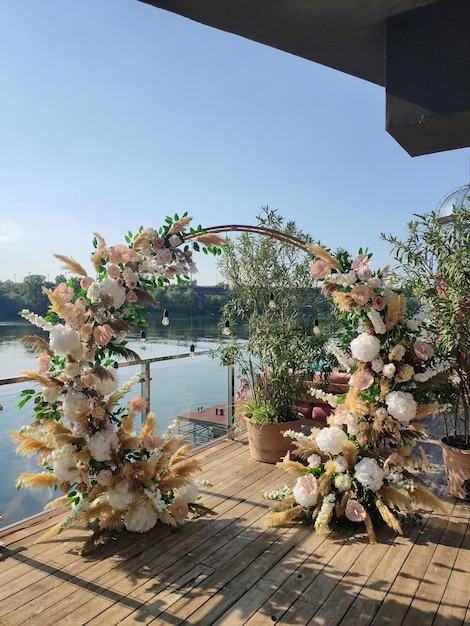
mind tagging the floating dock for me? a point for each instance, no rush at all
(204, 424)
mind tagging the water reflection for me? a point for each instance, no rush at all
(177, 387)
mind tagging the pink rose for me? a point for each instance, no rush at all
(164, 255)
(103, 334)
(98, 412)
(320, 269)
(86, 330)
(179, 509)
(137, 404)
(355, 511)
(86, 282)
(423, 350)
(378, 303)
(131, 296)
(158, 242)
(114, 270)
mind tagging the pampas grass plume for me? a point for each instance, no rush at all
(70, 265)
(387, 516)
(395, 311)
(283, 518)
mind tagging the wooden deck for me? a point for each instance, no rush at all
(229, 569)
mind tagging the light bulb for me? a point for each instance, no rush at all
(316, 327)
(272, 303)
(226, 329)
(165, 318)
(192, 350)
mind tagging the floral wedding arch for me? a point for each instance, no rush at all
(113, 478)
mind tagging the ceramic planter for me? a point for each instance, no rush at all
(457, 464)
(267, 444)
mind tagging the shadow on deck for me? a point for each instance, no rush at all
(230, 569)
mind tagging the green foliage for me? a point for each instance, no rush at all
(271, 294)
(434, 266)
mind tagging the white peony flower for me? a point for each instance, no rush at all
(401, 405)
(65, 340)
(369, 474)
(331, 439)
(116, 292)
(103, 443)
(50, 394)
(65, 465)
(140, 517)
(74, 403)
(121, 496)
(365, 347)
(189, 492)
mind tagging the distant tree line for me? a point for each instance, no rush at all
(182, 301)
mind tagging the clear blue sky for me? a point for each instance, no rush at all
(114, 114)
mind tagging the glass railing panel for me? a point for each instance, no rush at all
(179, 386)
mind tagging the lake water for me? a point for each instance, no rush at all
(177, 386)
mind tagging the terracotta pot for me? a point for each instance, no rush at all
(267, 443)
(457, 464)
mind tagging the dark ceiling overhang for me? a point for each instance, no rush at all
(419, 50)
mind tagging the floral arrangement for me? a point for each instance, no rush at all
(85, 440)
(360, 465)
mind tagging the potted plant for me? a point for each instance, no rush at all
(435, 265)
(272, 313)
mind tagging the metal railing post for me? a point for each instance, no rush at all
(145, 390)
(230, 399)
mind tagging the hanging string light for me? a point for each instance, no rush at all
(226, 329)
(316, 327)
(165, 318)
(272, 302)
(192, 347)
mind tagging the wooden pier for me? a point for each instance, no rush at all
(231, 570)
(205, 424)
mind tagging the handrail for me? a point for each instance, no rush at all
(25, 379)
(146, 378)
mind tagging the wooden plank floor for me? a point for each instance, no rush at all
(229, 569)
